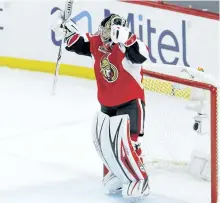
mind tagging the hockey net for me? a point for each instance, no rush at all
(181, 121)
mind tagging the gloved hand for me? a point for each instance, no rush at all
(121, 34)
(62, 29)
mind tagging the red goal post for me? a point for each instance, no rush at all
(194, 79)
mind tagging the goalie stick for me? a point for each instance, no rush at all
(67, 14)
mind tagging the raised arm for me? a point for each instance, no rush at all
(77, 44)
(74, 42)
(135, 50)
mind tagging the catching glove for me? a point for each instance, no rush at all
(67, 30)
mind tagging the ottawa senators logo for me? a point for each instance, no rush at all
(108, 70)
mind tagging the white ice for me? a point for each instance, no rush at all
(46, 152)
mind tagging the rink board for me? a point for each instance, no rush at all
(47, 67)
(88, 73)
(178, 40)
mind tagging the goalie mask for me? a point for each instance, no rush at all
(105, 27)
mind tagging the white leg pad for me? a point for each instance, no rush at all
(111, 137)
(111, 183)
(130, 166)
(135, 189)
(99, 131)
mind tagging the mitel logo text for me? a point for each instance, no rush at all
(152, 34)
(173, 51)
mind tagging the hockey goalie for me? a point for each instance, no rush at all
(118, 57)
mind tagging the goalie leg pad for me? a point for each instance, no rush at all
(125, 155)
(99, 132)
(111, 183)
(111, 137)
(135, 189)
(101, 139)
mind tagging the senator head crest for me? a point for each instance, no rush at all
(108, 70)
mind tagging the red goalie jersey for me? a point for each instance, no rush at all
(118, 68)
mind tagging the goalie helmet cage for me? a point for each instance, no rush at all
(213, 117)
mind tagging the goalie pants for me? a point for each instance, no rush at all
(136, 111)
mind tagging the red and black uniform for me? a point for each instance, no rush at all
(118, 72)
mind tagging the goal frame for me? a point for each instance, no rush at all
(213, 120)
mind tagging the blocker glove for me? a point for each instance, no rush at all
(121, 34)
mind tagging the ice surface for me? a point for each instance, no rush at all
(46, 152)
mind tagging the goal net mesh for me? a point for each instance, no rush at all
(170, 139)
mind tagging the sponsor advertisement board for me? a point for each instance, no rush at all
(173, 38)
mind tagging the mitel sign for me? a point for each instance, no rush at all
(137, 20)
(177, 46)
